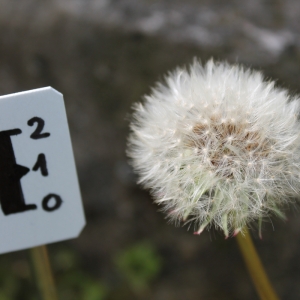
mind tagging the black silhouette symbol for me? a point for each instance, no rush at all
(11, 194)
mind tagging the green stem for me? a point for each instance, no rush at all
(255, 267)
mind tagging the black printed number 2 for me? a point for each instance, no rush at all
(37, 134)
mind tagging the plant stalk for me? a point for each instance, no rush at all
(255, 267)
(42, 273)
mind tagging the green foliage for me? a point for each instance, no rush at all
(81, 286)
(15, 280)
(74, 283)
(139, 264)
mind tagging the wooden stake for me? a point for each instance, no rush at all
(43, 273)
(255, 267)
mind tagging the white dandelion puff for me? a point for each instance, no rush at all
(217, 145)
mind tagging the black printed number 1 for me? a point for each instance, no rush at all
(11, 194)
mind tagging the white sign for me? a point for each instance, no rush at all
(40, 200)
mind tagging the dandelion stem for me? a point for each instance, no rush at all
(42, 273)
(255, 267)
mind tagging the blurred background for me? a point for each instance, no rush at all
(103, 55)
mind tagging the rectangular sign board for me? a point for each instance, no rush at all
(40, 199)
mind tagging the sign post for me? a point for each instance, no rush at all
(42, 273)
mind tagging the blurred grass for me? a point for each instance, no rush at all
(137, 266)
(71, 280)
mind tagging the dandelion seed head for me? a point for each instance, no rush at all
(218, 146)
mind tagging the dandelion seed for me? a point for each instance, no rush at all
(244, 155)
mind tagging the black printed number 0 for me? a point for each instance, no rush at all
(57, 202)
(38, 134)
